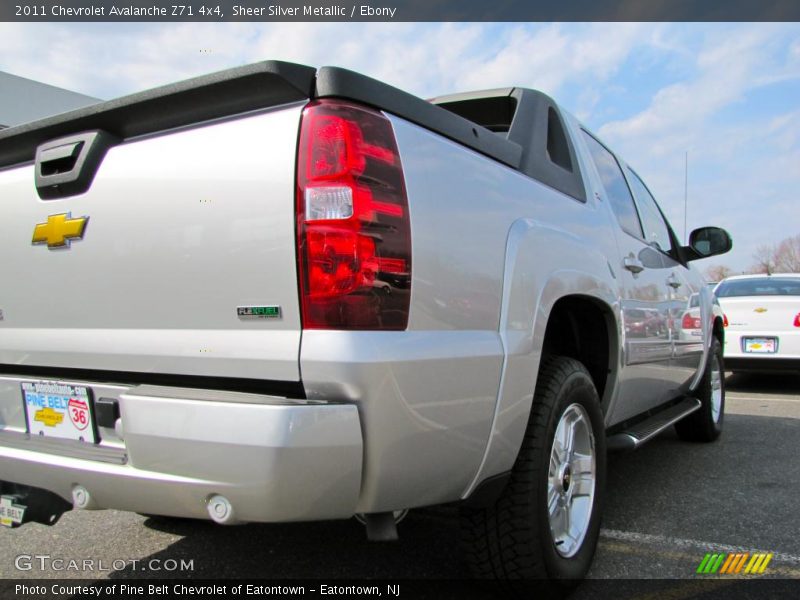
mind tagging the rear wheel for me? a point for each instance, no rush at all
(705, 424)
(546, 523)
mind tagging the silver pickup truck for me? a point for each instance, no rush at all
(279, 293)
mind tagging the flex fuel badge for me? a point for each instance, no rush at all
(258, 312)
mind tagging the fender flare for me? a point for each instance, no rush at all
(531, 288)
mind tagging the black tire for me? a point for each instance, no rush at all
(512, 539)
(701, 426)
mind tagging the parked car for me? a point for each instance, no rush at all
(305, 295)
(645, 322)
(690, 324)
(762, 316)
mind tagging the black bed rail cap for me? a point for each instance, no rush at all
(335, 82)
(216, 95)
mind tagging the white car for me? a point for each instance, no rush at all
(762, 319)
(690, 325)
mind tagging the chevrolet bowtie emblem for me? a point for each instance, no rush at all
(760, 310)
(59, 230)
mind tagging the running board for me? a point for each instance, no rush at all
(638, 434)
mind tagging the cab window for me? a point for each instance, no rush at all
(656, 230)
(619, 196)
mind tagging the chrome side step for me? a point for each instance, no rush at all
(638, 434)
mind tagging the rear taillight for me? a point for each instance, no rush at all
(353, 234)
(724, 320)
(689, 322)
(797, 320)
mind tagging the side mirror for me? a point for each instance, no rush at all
(708, 241)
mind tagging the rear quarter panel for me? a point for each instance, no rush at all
(493, 250)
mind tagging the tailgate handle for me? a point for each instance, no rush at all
(60, 159)
(67, 166)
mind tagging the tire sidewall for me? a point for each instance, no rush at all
(576, 389)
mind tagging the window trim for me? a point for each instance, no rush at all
(627, 183)
(672, 237)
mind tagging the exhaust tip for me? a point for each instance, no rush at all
(221, 510)
(81, 498)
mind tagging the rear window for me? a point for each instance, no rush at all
(768, 286)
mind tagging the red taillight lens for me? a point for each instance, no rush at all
(353, 234)
(797, 320)
(724, 320)
(690, 322)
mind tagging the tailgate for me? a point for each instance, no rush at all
(762, 314)
(184, 228)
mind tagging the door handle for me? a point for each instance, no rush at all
(673, 282)
(633, 264)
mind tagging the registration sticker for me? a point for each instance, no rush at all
(61, 410)
(760, 345)
(11, 513)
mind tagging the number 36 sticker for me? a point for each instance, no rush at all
(79, 413)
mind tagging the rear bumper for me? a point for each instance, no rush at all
(172, 451)
(762, 364)
(787, 357)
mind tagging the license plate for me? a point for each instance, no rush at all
(761, 345)
(58, 410)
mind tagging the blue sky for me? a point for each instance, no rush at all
(728, 94)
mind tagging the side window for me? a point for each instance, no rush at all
(656, 230)
(616, 188)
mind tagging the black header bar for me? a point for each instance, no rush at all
(396, 10)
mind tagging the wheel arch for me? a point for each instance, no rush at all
(584, 328)
(576, 287)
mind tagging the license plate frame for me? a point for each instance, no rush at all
(56, 409)
(760, 345)
(11, 513)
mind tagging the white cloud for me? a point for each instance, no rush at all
(666, 86)
(742, 169)
(427, 59)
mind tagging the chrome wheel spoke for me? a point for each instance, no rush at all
(569, 444)
(559, 524)
(582, 463)
(716, 390)
(571, 480)
(583, 485)
(552, 499)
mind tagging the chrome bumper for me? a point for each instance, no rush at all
(173, 450)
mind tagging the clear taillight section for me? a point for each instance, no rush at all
(353, 234)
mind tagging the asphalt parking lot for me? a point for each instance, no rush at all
(668, 504)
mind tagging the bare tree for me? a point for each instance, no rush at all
(765, 260)
(787, 255)
(718, 272)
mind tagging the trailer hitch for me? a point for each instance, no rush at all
(20, 504)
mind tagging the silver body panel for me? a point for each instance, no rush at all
(391, 420)
(179, 235)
